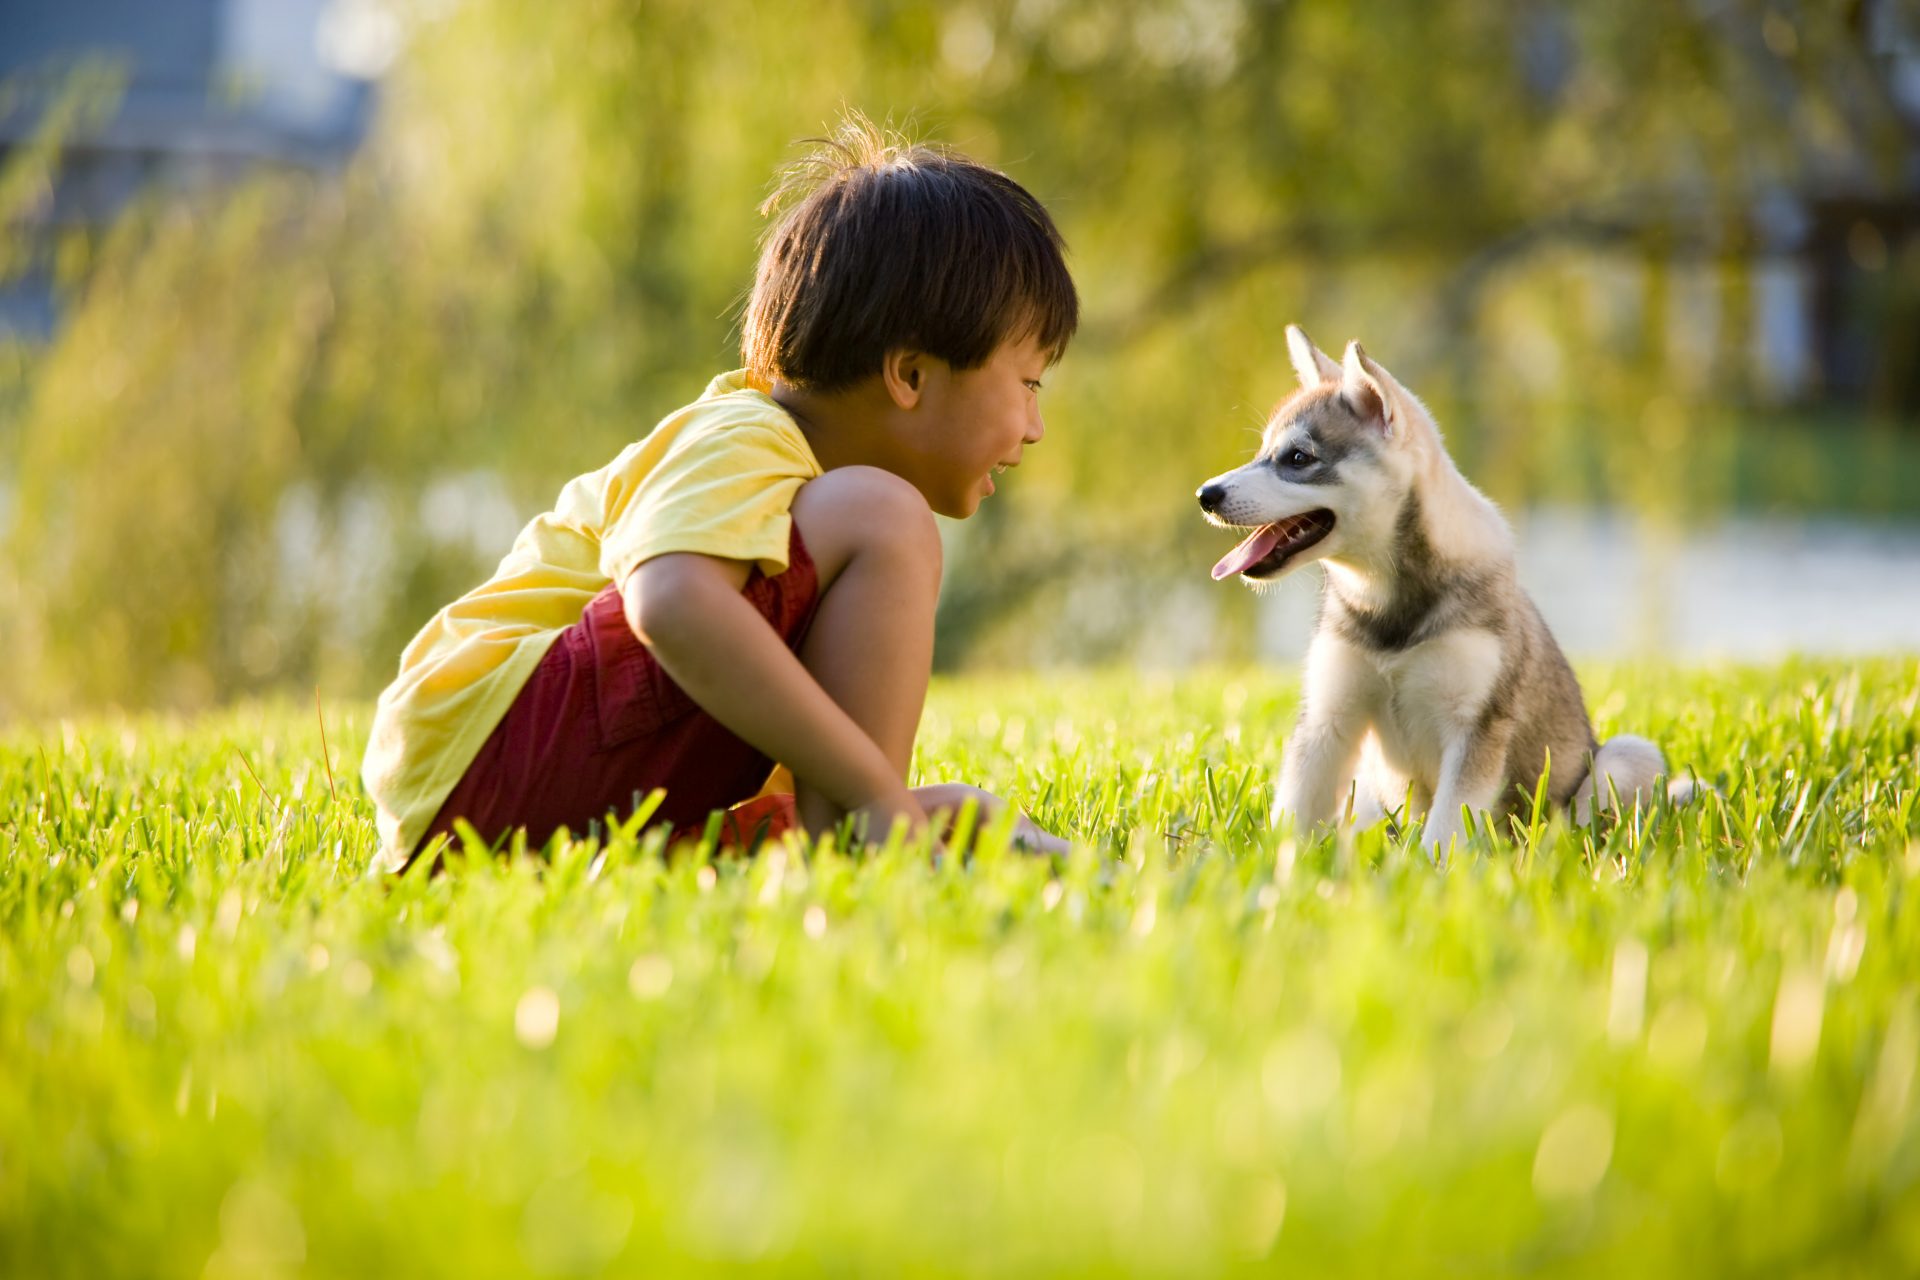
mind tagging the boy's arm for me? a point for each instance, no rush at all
(689, 610)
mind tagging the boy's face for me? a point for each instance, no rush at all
(968, 424)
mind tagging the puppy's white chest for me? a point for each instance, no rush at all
(1431, 695)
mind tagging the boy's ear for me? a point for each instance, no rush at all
(1363, 385)
(903, 371)
(1311, 365)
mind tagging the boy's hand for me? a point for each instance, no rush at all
(877, 816)
(1028, 835)
(943, 800)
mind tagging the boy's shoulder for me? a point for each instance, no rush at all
(736, 411)
(744, 386)
(736, 421)
(732, 402)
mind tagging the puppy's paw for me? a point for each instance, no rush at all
(1439, 835)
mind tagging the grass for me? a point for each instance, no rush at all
(1687, 1046)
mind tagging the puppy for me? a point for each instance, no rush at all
(1430, 672)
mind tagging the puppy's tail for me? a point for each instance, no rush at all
(1629, 768)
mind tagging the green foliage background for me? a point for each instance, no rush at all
(283, 422)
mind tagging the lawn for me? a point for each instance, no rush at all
(1687, 1045)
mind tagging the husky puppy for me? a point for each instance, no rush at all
(1430, 668)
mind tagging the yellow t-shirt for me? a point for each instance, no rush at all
(717, 477)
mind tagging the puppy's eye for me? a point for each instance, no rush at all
(1296, 458)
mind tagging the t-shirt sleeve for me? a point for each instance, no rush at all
(726, 491)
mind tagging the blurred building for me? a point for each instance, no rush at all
(207, 89)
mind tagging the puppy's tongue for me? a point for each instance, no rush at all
(1249, 553)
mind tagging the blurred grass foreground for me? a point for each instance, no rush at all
(305, 307)
(1685, 1046)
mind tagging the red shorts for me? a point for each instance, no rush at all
(600, 725)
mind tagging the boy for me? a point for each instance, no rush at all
(755, 580)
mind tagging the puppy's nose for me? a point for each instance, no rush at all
(1211, 496)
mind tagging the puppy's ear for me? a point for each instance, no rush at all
(1311, 365)
(1365, 391)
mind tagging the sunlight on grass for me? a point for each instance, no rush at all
(1685, 1044)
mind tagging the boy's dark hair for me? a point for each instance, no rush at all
(893, 244)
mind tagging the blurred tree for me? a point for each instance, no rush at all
(283, 423)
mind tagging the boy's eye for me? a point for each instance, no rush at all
(1033, 384)
(1296, 458)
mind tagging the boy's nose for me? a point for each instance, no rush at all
(1211, 495)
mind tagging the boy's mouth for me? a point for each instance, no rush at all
(1265, 551)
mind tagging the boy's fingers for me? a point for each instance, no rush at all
(1028, 835)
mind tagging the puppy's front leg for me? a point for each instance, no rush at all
(1473, 771)
(1318, 764)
